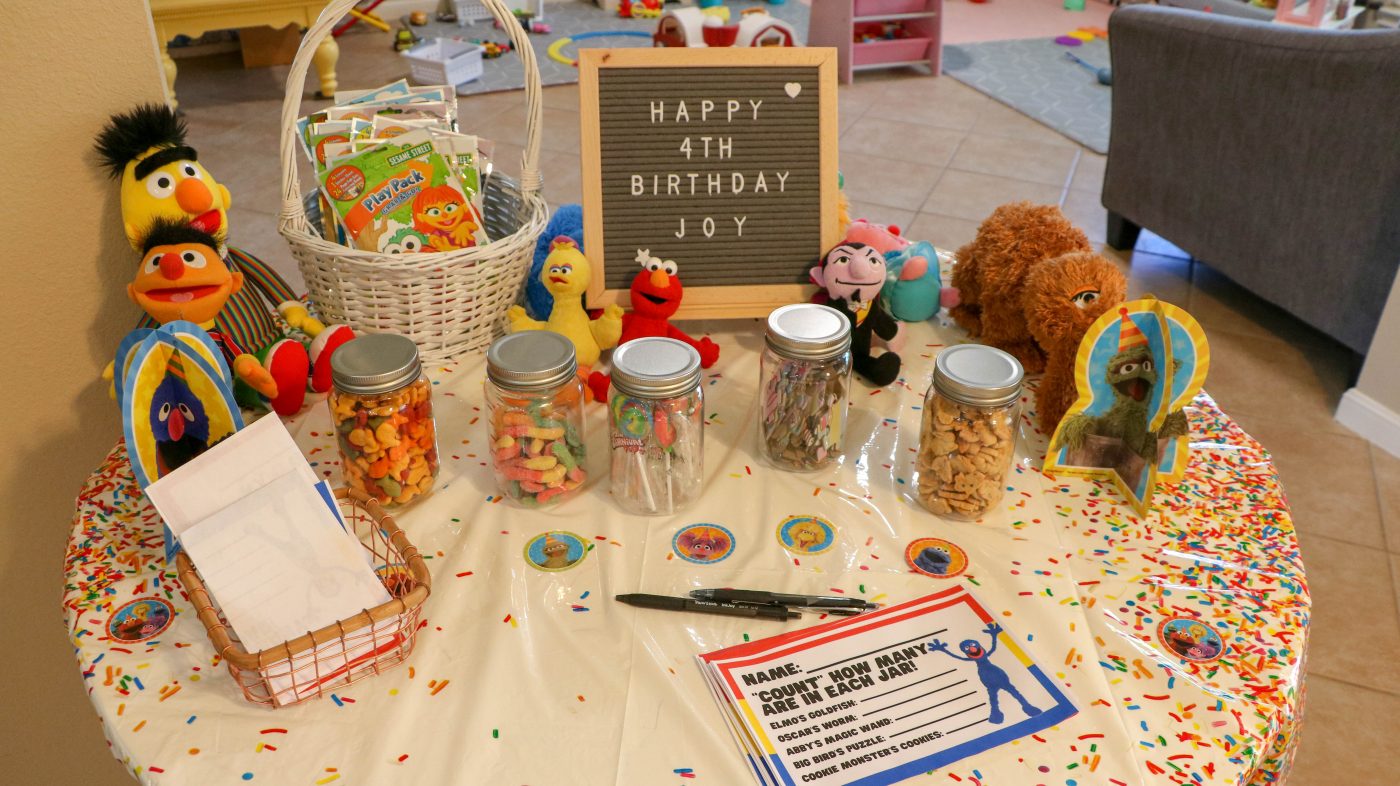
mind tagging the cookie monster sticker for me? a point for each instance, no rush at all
(1191, 639)
(555, 551)
(936, 557)
(703, 544)
(139, 620)
(806, 535)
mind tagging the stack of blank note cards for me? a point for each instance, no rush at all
(267, 537)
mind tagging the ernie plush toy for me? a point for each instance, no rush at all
(163, 186)
(656, 294)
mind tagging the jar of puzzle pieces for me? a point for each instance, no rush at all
(534, 398)
(657, 412)
(969, 430)
(804, 386)
(382, 407)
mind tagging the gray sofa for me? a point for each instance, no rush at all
(1269, 152)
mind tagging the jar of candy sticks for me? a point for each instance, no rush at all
(805, 375)
(657, 413)
(535, 400)
(382, 407)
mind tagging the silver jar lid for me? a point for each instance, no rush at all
(375, 363)
(532, 360)
(808, 331)
(978, 375)
(655, 368)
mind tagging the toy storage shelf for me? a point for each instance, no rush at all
(836, 23)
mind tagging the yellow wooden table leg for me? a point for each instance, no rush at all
(169, 63)
(326, 54)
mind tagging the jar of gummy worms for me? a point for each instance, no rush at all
(382, 407)
(534, 400)
(805, 374)
(657, 416)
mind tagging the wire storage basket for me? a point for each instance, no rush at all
(448, 302)
(343, 652)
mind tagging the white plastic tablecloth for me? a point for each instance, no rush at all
(522, 676)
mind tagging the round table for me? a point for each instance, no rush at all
(527, 676)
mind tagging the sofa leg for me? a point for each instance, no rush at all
(1122, 233)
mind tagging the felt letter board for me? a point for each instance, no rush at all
(722, 159)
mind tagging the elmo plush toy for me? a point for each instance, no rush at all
(656, 294)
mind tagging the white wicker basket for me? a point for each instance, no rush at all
(448, 302)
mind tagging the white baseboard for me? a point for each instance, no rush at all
(1370, 419)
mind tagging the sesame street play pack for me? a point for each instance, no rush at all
(1136, 370)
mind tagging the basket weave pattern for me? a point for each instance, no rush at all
(447, 302)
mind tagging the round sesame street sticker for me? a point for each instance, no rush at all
(806, 535)
(703, 544)
(555, 551)
(936, 557)
(141, 619)
(1191, 639)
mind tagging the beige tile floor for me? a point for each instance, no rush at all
(936, 157)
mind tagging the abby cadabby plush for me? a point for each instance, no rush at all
(853, 274)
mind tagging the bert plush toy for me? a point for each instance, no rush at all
(163, 181)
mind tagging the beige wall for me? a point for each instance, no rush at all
(67, 65)
(1380, 377)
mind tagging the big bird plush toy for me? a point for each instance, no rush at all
(163, 182)
(565, 274)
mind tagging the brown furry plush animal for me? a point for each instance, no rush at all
(992, 269)
(1030, 284)
(1062, 298)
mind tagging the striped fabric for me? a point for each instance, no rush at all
(247, 318)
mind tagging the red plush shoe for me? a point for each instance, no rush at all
(322, 348)
(286, 361)
(598, 383)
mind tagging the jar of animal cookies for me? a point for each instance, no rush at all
(968, 436)
(534, 398)
(805, 376)
(657, 412)
(382, 407)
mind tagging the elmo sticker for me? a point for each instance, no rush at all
(1191, 639)
(703, 544)
(936, 557)
(141, 619)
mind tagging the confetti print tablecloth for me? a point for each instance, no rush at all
(528, 677)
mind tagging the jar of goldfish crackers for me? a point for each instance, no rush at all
(382, 407)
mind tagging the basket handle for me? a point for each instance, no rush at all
(292, 209)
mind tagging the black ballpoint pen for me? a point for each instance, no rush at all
(780, 598)
(668, 603)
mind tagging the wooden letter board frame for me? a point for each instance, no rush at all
(704, 301)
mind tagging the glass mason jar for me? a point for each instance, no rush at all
(805, 378)
(657, 412)
(534, 398)
(969, 430)
(382, 407)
